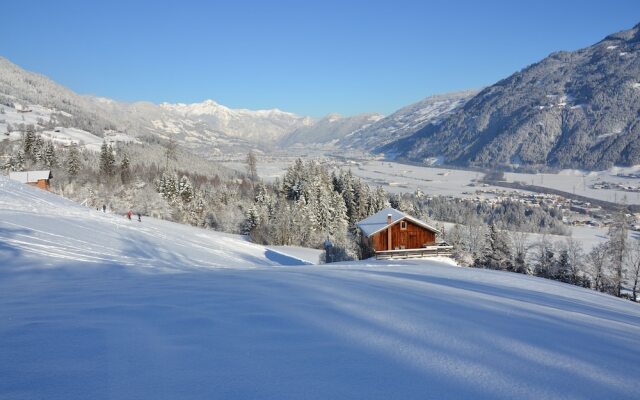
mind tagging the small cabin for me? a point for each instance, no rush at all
(39, 179)
(392, 233)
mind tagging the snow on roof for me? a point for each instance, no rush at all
(378, 221)
(29, 176)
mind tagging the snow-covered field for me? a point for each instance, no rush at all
(402, 178)
(579, 182)
(95, 306)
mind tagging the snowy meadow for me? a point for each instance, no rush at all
(95, 306)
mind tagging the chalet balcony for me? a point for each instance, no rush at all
(436, 250)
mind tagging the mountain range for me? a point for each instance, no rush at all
(577, 109)
(209, 126)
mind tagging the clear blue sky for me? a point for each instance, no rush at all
(308, 57)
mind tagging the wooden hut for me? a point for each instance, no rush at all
(39, 179)
(392, 233)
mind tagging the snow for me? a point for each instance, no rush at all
(50, 226)
(579, 182)
(69, 136)
(96, 306)
(59, 135)
(301, 255)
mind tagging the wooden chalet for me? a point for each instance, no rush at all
(393, 234)
(40, 179)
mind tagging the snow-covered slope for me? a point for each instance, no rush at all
(43, 226)
(95, 306)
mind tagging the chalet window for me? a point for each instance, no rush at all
(403, 225)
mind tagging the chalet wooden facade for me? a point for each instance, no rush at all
(40, 179)
(393, 233)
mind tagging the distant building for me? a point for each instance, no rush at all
(39, 179)
(22, 108)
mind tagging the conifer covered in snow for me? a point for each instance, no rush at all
(107, 160)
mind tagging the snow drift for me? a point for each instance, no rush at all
(96, 306)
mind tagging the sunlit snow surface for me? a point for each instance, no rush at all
(93, 306)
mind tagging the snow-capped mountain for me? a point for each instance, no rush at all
(206, 126)
(330, 129)
(255, 125)
(209, 127)
(406, 121)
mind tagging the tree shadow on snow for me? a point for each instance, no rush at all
(562, 302)
(283, 259)
(9, 251)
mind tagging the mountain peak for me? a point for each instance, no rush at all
(632, 35)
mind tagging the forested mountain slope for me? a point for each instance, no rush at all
(407, 120)
(574, 109)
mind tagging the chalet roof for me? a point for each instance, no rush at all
(30, 176)
(378, 221)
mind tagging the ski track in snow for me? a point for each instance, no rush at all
(96, 306)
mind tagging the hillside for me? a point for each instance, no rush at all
(407, 120)
(574, 109)
(95, 306)
(329, 130)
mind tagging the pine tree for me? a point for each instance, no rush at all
(28, 142)
(252, 220)
(167, 187)
(107, 160)
(20, 161)
(292, 183)
(380, 201)
(563, 272)
(111, 160)
(185, 190)
(38, 150)
(104, 159)
(544, 259)
(349, 197)
(125, 172)
(500, 246)
(73, 162)
(50, 157)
